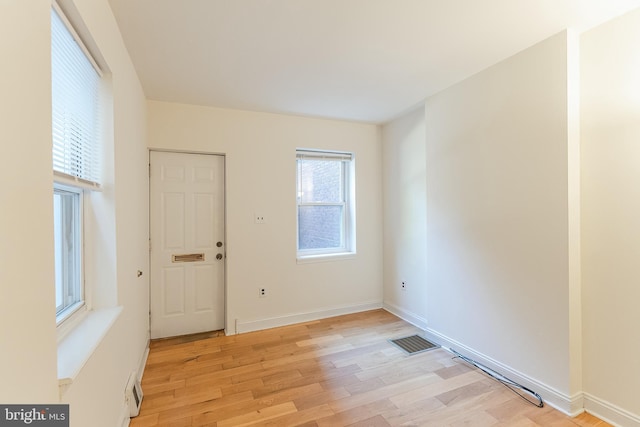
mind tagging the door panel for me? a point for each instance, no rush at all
(187, 220)
(173, 291)
(204, 275)
(203, 212)
(172, 211)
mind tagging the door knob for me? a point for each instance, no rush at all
(219, 256)
(219, 244)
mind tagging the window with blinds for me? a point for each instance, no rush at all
(75, 80)
(325, 202)
(75, 98)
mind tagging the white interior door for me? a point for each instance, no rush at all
(187, 243)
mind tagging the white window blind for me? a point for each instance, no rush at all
(75, 106)
(323, 155)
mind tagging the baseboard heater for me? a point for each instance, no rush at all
(133, 395)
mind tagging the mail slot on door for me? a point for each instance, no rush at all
(187, 258)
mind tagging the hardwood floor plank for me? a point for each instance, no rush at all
(507, 411)
(462, 394)
(477, 418)
(377, 421)
(289, 394)
(408, 414)
(149, 420)
(320, 399)
(233, 389)
(164, 401)
(355, 414)
(228, 407)
(366, 398)
(452, 371)
(305, 417)
(341, 381)
(308, 355)
(335, 372)
(260, 416)
(179, 416)
(166, 385)
(587, 420)
(433, 386)
(320, 340)
(364, 386)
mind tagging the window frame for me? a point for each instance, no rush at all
(347, 202)
(70, 308)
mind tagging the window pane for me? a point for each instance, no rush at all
(320, 227)
(57, 229)
(320, 181)
(66, 215)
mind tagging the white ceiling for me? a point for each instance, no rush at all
(365, 60)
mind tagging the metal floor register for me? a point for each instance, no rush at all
(414, 344)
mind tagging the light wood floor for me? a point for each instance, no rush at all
(340, 371)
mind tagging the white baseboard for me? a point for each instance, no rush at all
(124, 415)
(243, 326)
(576, 404)
(570, 405)
(609, 412)
(143, 361)
(406, 315)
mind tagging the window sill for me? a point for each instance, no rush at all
(70, 319)
(79, 344)
(308, 259)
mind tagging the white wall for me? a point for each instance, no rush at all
(27, 316)
(496, 280)
(260, 177)
(29, 350)
(99, 389)
(497, 230)
(405, 221)
(610, 95)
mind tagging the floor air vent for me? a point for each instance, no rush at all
(414, 344)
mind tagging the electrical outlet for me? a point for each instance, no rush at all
(259, 218)
(262, 292)
(403, 285)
